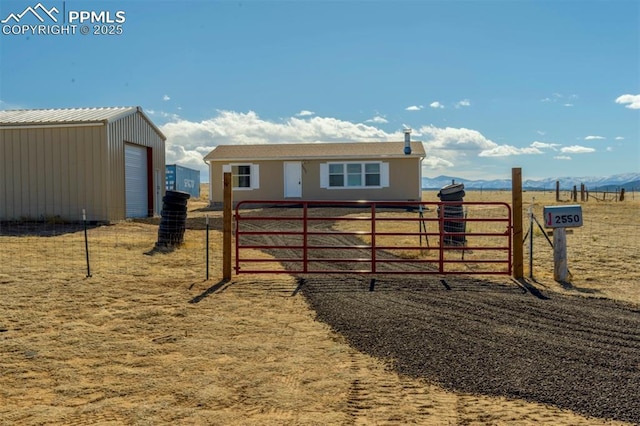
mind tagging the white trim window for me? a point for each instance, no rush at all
(243, 176)
(354, 175)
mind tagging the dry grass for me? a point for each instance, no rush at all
(146, 340)
(603, 255)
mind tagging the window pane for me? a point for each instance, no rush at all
(336, 180)
(372, 177)
(336, 168)
(241, 176)
(372, 168)
(373, 180)
(354, 180)
(354, 168)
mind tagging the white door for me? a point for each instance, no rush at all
(135, 181)
(292, 179)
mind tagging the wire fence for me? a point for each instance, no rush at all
(60, 251)
(605, 247)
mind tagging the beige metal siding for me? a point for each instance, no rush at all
(404, 182)
(52, 172)
(135, 130)
(64, 116)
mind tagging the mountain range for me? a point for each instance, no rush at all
(628, 181)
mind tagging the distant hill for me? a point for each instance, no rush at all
(628, 181)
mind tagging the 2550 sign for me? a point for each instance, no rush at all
(563, 216)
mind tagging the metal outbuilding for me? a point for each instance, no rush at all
(56, 162)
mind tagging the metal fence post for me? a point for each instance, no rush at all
(226, 228)
(86, 242)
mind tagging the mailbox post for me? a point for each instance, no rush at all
(559, 218)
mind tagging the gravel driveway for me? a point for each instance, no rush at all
(489, 336)
(492, 337)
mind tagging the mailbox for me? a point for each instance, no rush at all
(562, 216)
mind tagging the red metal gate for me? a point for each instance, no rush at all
(371, 237)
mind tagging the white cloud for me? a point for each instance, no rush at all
(556, 97)
(414, 108)
(188, 142)
(609, 149)
(305, 113)
(449, 147)
(544, 145)
(508, 150)
(562, 157)
(632, 101)
(166, 98)
(576, 149)
(434, 163)
(163, 114)
(455, 139)
(619, 138)
(458, 145)
(377, 119)
(530, 150)
(169, 115)
(500, 151)
(463, 103)
(436, 104)
(592, 138)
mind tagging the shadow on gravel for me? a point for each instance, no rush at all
(492, 338)
(527, 286)
(330, 283)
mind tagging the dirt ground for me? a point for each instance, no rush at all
(146, 340)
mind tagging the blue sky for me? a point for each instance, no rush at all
(549, 86)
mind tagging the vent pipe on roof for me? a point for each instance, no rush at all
(407, 141)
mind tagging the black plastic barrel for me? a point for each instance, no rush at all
(451, 193)
(174, 219)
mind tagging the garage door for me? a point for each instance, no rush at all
(136, 185)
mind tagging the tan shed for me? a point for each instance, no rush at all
(56, 162)
(382, 171)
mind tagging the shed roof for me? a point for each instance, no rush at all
(68, 116)
(340, 150)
